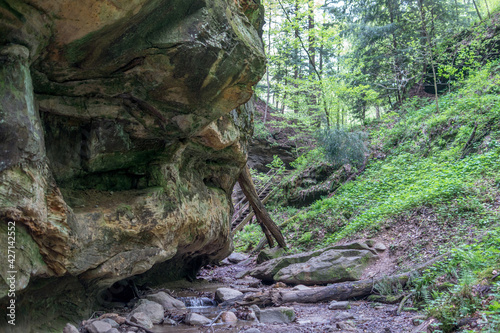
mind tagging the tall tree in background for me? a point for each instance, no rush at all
(342, 61)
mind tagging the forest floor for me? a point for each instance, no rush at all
(362, 316)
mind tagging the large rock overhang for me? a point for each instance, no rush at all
(122, 132)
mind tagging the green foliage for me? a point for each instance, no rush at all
(342, 147)
(248, 238)
(277, 165)
(426, 165)
(470, 269)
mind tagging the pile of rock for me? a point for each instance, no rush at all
(152, 310)
(160, 308)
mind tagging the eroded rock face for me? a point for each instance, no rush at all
(122, 132)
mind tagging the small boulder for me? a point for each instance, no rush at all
(380, 247)
(98, 326)
(300, 287)
(168, 302)
(142, 319)
(113, 330)
(169, 321)
(153, 310)
(334, 305)
(226, 294)
(242, 274)
(346, 326)
(196, 319)
(70, 329)
(268, 254)
(228, 317)
(110, 321)
(342, 316)
(236, 258)
(281, 315)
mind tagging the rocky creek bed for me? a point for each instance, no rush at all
(212, 303)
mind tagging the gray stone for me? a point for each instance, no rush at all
(331, 266)
(334, 305)
(224, 262)
(70, 329)
(113, 330)
(226, 294)
(281, 315)
(251, 330)
(98, 326)
(153, 310)
(268, 269)
(236, 257)
(346, 326)
(168, 302)
(196, 319)
(342, 316)
(110, 321)
(380, 247)
(370, 242)
(142, 319)
(300, 287)
(169, 321)
(242, 274)
(228, 317)
(268, 254)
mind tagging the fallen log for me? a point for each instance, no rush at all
(269, 228)
(338, 291)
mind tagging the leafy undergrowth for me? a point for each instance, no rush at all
(436, 191)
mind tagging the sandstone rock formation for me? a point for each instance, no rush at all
(122, 133)
(334, 264)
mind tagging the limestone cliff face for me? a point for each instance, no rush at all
(122, 131)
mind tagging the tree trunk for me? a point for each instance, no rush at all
(429, 49)
(267, 71)
(487, 8)
(267, 224)
(477, 10)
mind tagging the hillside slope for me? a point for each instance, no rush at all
(431, 187)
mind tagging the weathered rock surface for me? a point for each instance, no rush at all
(280, 315)
(153, 310)
(99, 326)
(142, 319)
(168, 302)
(196, 319)
(236, 257)
(334, 264)
(268, 254)
(228, 317)
(121, 136)
(70, 329)
(226, 294)
(336, 305)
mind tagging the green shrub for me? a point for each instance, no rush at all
(343, 147)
